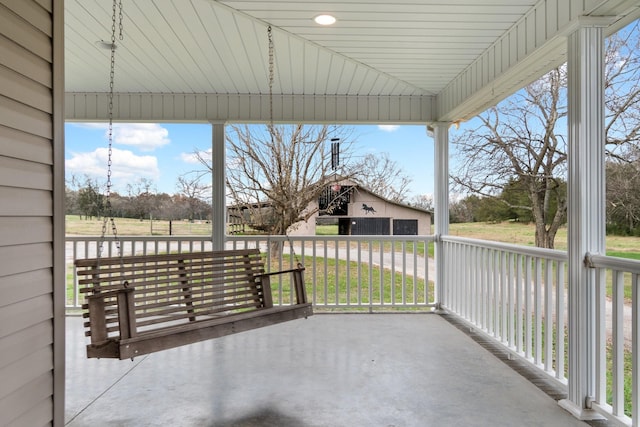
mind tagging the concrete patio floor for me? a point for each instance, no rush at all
(387, 370)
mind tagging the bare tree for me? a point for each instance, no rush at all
(383, 176)
(623, 197)
(193, 191)
(141, 197)
(423, 201)
(274, 173)
(71, 187)
(622, 92)
(288, 165)
(523, 139)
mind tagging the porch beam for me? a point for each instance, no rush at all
(251, 108)
(586, 207)
(441, 202)
(218, 178)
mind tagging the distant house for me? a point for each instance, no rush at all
(358, 211)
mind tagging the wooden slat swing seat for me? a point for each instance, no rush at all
(146, 303)
(141, 304)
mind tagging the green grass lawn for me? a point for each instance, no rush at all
(625, 254)
(524, 234)
(340, 285)
(135, 227)
(326, 230)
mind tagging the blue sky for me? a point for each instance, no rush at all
(162, 152)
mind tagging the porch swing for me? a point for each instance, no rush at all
(140, 304)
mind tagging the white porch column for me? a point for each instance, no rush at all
(218, 177)
(441, 201)
(586, 207)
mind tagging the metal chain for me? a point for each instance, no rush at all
(108, 215)
(271, 78)
(121, 35)
(271, 130)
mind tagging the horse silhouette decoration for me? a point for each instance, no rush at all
(368, 209)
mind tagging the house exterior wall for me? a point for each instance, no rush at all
(31, 229)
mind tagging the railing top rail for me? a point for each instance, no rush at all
(552, 254)
(253, 238)
(314, 238)
(186, 238)
(614, 263)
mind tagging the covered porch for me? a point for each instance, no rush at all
(550, 308)
(328, 370)
(429, 62)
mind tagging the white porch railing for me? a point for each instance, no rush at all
(617, 335)
(518, 296)
(515, 294)
(342, 272)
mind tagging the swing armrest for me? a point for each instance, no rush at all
(274, 273)
(126, 314)
(297, 284)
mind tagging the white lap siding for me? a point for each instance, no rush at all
(31, 205)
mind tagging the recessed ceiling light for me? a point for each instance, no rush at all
(325, 20)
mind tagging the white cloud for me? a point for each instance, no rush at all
(144, 136)
(126, 167)
(192, 158)
(389, 128)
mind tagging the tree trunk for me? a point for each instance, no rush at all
(545, 238)
(275, 249)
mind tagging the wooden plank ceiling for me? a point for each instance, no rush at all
(376, 48)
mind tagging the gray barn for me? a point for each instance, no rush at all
(361, 212)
